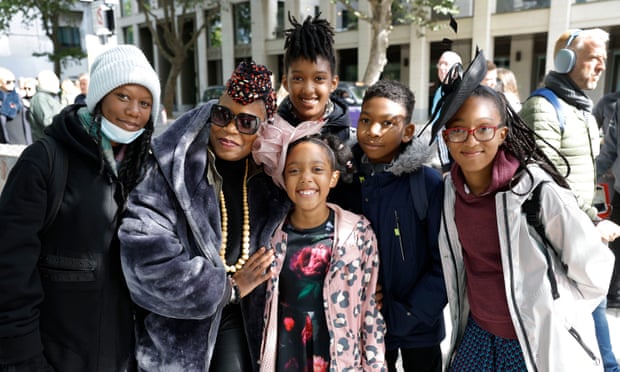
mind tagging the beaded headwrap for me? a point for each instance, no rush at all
(250, 82)
(271, 144)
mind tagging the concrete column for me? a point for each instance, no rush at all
(481, 34)
(201, 54)
(228, 40)
(260, 13)
(328, 11)
(521, 49)
(300, 9)
(559, 21)
(269, 17)
(419, 65)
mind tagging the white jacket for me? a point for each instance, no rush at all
(582, 267)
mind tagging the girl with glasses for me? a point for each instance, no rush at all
(516, 303)
(192, 235)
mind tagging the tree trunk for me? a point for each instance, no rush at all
(381, 27)
(378, 57)
(176, 65)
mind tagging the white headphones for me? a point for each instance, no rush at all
(565, 58)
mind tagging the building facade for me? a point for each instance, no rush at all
(517, 34)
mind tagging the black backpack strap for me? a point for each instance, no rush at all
(417, 184)
(531, 208)
(58, 165)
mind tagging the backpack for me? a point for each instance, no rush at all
(553, 99)
(531, 208)
(602, 198)
(418, 192)
(58, 164)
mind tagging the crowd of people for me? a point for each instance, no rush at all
(258, 235)
(29, 104)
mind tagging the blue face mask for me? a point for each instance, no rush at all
(118, 134)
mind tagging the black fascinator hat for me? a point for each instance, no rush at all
(456, 88)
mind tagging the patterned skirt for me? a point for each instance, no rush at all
(481, 351)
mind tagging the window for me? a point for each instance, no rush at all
(506, 6)
(279, 31)
(125, 6)
(69, 37)
(242, 23)
(128, 35)
(214, 29)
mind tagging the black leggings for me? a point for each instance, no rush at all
(231, 353)
(423, 359)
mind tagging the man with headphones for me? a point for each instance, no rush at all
(580, 59)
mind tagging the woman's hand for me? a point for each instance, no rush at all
(254, 272)
(379, 296)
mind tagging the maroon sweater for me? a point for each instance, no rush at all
(476, 223)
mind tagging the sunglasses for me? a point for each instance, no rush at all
(245, 123)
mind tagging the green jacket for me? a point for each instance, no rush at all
(43, 107)
(579, 142)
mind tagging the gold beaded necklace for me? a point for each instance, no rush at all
(245, 236)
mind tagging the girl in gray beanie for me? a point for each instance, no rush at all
(65, 305)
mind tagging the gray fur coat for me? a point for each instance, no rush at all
(170, 238)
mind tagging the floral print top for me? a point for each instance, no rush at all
(303, 339)
(355, 327)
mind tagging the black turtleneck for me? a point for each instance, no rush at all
(232, 173)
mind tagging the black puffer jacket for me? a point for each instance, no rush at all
(63, 294)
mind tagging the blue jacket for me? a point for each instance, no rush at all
(414, 294)
(170, 238)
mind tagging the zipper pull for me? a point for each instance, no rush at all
(397, 234)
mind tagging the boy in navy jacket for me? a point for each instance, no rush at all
(402, 198)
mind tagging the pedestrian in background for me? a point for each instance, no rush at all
(45, 103)
(83, 82)
(580, 60)
(507, 84)
(14, 123)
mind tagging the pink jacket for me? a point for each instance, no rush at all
(356, 326)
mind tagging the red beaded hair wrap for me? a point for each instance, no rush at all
(250, 82)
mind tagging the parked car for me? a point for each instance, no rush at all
(212, 92)
(351, 93)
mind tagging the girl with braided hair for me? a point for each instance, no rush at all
(310, 77)
(192, 235)
(520, 297)
(64, 302)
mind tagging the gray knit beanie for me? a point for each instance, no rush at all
(120, 65)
